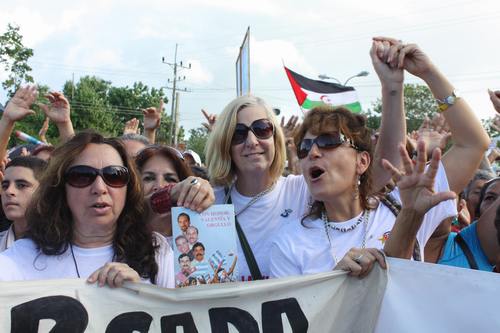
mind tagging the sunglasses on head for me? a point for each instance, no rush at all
(261, 128)
(324, 141)
(83, 175)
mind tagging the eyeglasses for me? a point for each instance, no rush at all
(83, 175)
(325, 141)
(262, 128)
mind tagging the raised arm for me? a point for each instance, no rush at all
(417, 197)
(384, 53)
(470, 140)
(58, 111)
(17, 108)
(152, 119)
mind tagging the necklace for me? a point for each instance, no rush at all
(363, 218)
(253, 200)
(76, 264)
(74, 260)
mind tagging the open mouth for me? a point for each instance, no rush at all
(251, 154)
(100, 205)
(316, 172)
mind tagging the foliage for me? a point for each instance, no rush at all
(14, 57)
(197, 141)
(418, 101)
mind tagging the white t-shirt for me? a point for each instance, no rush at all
(7, 238)
(288, 201)
(23, 261)
(306, 249)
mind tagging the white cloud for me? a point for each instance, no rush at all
(267, 56)
(198, 74)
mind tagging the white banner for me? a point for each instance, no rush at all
(418, 298)
(320, 303)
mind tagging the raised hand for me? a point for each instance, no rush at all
(384, 54)
(43, 130)
(416, 185)
(58, 109)
(19, 105)
(414, 60)
(211, 119)
(131, 126)
(290, 127)
(495, 99)
(152, 117)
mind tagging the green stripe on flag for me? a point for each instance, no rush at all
(353, 107)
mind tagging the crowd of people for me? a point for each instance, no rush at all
(326, 193)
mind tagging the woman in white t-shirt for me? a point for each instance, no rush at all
(335, 153)
(87, 221)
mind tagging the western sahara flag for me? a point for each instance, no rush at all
(312, 93)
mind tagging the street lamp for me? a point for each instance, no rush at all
(326, 77)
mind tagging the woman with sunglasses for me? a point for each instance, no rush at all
(86, 220)
(162, 166)
(335, 151)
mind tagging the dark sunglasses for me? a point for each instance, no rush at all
(324, 141)
(83, 175)
(262, 128)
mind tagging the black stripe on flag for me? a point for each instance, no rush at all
(317, 86)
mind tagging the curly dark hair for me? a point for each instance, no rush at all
(50, 220)
(325, 119)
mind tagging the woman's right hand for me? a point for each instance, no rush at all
(360, 262)
(194, 193)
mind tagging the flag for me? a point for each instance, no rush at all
(312, 93)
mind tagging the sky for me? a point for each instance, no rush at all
(124, 42)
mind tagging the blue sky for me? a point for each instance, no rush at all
(124, 41)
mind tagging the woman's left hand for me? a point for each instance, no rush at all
(114, 274)
(194, 193)
(359, 262)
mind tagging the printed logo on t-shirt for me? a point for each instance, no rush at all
(384, 237)
(286, 213)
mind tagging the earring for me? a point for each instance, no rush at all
(356, 188)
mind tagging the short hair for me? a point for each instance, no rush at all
(180, 237)
(480, 174)
(199, 244)
(221, 169)
(169, 153)
(483, 193)
(37, 165)
(184, 214)
(200, 171)
(193, 227)
(182, 256)
(38, 149)
(135, 137)
(325, 119)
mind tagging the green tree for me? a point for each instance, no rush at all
(14, 57)
(419, 103)
(197, 141)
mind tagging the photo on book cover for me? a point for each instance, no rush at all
(205, 248)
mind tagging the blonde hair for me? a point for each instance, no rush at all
(221, 168)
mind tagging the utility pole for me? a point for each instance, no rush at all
(174, 112)
(176, 128)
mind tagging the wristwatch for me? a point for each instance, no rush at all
(448, 101)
